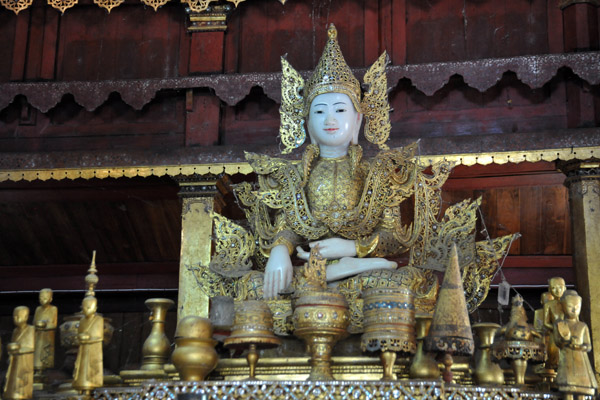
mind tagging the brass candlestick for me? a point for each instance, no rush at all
(252, 329)
(389, 319)
(423, 366)
(486, 371)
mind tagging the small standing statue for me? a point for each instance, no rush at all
(19, 377)
(88, 373)
(44, 320)
(553, 311)
(575, 375)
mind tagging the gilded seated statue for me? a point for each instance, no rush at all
(352, 208)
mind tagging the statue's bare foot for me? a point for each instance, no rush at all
(350, 266)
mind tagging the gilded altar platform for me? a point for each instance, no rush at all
(313, 390)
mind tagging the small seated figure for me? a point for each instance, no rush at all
(553, 311)
(45, 321)
(88, 373)
(19, 377)
(574, 376)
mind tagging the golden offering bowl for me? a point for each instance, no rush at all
(519, 352)
(252, 329)
(389, 320)
(194, 355)
(321, 319)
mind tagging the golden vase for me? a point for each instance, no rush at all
(157, 346)
(423, 365)
(321, 319)
(194, 355)
(486, 371)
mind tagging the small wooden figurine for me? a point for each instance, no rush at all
(575, 376)
(19, 377)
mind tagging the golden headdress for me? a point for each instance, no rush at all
(333, 75)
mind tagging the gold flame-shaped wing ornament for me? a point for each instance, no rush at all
(375, 105)
(291, 129)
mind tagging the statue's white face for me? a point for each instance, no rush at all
(333, 121)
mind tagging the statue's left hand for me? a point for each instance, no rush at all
(330, 249)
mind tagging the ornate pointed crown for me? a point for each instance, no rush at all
(333, 75)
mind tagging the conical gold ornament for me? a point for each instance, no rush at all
(450, 331)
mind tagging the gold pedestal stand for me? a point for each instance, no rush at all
(252, 329)
(321, 319)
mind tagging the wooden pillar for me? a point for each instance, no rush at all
(583, 182)
(580, 30)
(198, 196)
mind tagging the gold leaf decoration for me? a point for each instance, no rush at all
(16, 5)
(155, 3)
(197, 5)
(236, 2)
(108, 4)
(62, 5)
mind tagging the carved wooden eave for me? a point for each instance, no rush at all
(204, 162)
(534, 71)
(196, 6)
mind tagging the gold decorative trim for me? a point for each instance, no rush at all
(15, 175)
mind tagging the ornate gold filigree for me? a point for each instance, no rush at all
(62, 5)
(128, 171)
(375, 105)
(457, 227)
(478, 274)
(233, 248)
(197, 5)
(16, 5)
(155, 3)
(211, 283)
(332, 74)
(291, 129)
(336, 390)
(108, 4)
(312, 276)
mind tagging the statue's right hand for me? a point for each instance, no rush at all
(278, 272)
(13, 348)
(83, 337)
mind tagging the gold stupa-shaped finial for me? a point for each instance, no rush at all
(332, 74)
(91, 279)
(450, 331)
